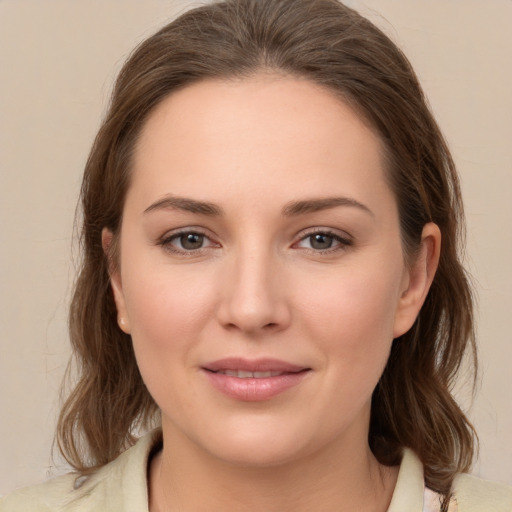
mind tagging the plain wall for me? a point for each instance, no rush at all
(57, 62)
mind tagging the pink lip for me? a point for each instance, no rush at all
(254, 389)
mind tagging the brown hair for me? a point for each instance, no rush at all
(332, 45)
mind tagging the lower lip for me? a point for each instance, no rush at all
(252, 389)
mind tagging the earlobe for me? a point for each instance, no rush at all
(418, 279)
(107, 241)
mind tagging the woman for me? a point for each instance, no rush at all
(270, 278)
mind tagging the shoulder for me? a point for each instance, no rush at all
(476, 495)
(39, 498)
(470, 494)
(112, 488)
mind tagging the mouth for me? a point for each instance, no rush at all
(242, 374)
(254, 380)
(256, 368)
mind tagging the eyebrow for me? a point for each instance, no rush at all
(315, 205)
(291, 209)
(187, 205)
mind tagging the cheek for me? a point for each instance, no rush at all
(167, 307)
(352, 317)
(168, 311)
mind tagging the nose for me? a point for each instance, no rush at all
(254, 295)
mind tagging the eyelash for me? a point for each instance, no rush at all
(166, 242)
(342, 242)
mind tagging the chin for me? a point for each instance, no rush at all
(257, 455)
(260, 444)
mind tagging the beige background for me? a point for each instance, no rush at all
(57, 62)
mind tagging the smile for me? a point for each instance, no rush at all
(242, 374)
(253, 380)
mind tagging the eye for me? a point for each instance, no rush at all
(320, 241)
(190, 241)
(323, 241)
(186, 241)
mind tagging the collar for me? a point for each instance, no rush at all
(128, 474)
(410, 486)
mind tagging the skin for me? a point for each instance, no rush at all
(260, 285)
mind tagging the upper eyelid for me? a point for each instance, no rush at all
(187, 229)
(304, 233)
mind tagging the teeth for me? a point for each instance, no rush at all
(242, 374)
(261, 375)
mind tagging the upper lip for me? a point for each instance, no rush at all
(253, 365)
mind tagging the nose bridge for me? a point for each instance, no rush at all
(253, 298)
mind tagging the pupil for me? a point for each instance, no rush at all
(320, 241)
(192, 241)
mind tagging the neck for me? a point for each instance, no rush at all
(182, 478)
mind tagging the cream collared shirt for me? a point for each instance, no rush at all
(121, 486)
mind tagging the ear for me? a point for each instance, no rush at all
(107, 242)
(417, 279)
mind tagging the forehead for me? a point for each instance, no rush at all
(263, 133)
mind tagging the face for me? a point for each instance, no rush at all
(261, 274)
